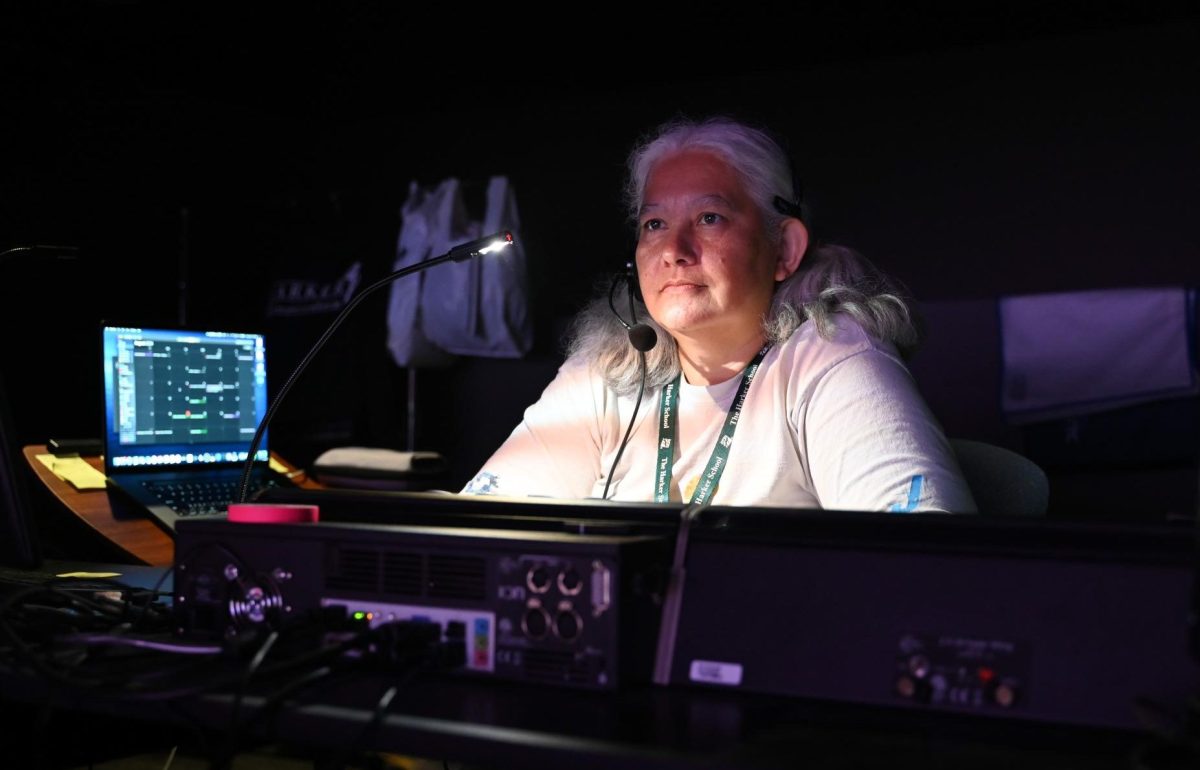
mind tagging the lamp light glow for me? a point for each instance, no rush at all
(499, 243)
(481, 246)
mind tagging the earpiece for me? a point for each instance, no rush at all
(787, 208)
(793, 207)
(635, 288)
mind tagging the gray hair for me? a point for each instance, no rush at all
(831, 279)
(757, 158)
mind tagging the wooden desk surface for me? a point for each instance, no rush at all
(137, 536)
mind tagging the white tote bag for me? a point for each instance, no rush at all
(478, 307)
(405, 339)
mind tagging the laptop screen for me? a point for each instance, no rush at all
(176, 397)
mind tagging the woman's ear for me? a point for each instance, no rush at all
(792, 249)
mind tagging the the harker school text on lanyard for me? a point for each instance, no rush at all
(668, 408)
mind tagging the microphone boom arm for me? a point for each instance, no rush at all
(457, 254)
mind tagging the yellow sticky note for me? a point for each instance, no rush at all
(74, 470)
(88, 575)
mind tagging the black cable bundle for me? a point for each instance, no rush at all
(60, 628)
(110, 640)
(403, 648)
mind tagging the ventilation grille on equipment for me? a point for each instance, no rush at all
(354, 569)
(559, 667)
(407, 574)
(457, 577)
(402, 573)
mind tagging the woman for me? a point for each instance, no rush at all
(776, 378)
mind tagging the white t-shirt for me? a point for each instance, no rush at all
(834, 424)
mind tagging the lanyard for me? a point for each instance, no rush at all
(669, 407)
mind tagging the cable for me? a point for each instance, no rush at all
(268, 709)
(272, 702)
(27, 652)
(145, 644)
(419, 648)
(628, 431)
(61, 252)
(381, 708)
(369, 731)
(76, 641)
(218, 683)
(80, 641)
(154, 593)
(256, 661)
(642, 338)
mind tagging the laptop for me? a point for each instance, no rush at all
(181, 407)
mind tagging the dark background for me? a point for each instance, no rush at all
(195, 153)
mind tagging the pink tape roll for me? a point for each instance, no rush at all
(265, 513)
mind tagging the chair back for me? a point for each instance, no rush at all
(1003, 482)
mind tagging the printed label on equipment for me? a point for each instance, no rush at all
(963, 671)
(714, 672)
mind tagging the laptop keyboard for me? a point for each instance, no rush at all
(204, 498)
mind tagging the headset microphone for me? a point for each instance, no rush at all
(641, 336)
